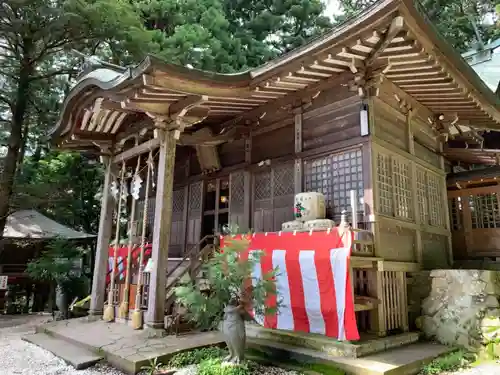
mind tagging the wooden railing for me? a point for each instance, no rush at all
(380, 294)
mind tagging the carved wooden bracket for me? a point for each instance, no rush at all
(366, 83)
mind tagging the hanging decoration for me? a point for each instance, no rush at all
(109, 311)
(137, 320)
(135, 192)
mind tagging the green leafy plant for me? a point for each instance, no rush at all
(196, 356)
(229, 276)
(57, 265)
(449, 362)
(153, 366)
(215, 366)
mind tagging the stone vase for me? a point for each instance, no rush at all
(61, 303)
(233, 329)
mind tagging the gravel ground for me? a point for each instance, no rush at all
(18, 357)
(21, 358)
(482, 369)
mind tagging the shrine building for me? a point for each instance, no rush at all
(378, 109)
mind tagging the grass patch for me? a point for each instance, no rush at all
(450, 362)
(293, 364)
(214, 366)
(196, 356)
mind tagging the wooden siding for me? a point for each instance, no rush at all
(232, 153)
(274, 144)
(335, 121)
(412, 222)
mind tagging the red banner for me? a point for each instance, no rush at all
(313, 281)
(121, 260)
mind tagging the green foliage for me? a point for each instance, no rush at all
(449, 362)
(153, 366)
(196, 356)
(64, 186)
(227, 273)
(214, 366)
(57, 265)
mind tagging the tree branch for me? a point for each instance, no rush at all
(53, 74)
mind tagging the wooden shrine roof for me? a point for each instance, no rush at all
(391, 40)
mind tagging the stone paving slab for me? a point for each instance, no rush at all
(406, 360)
(76, 356)
(123, 347)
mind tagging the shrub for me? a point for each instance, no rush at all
(196, 356)
(450, 362)
(215, 366)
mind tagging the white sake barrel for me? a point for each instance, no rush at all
(319, 224)
(309, 206)
(291, 226)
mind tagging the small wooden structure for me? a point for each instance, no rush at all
(475, 213)
(366, 107)
(25, 236)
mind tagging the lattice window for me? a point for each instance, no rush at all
(262, 186)
(402, 188)
(423, 211)
(484, 210)
(195, 196)
(237, 191)
(335, 176)
(384, 184)
(283, 179)
(178, 200)
(435, 197)
(455, 206)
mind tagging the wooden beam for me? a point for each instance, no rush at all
(182, 106)
(394, 29)
(342, 78)
(137, 150)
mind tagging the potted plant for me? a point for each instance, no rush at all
(231, 294)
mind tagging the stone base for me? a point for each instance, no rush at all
(121, 346)
(462, 308)
(406, 360)
(369, 344)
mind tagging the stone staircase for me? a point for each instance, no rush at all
(75, 355)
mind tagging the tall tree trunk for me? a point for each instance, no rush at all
(14, 142)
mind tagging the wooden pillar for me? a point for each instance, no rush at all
(446, 208)
(247, 203)
(411, 149)
(155, 316)
(103, 241)
(298, 149)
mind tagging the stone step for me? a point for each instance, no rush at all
(406, 360)
(78, 357)
(368, 345)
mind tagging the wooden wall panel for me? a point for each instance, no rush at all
(262, 202)
(274, 144)
(395, 242)
(177, 229)
(237, 200)
(390, 124)
(283, 194)
(195, 212)
(273, 197)
(232, 153)
(434, 251)
(334, 122)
